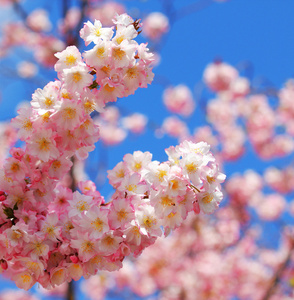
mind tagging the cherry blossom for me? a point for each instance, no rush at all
(51, 234)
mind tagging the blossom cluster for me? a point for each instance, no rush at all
(238, 112)
(35, 31)
(51, 234)
(200, 258)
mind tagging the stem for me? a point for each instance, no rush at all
(276, 279)
(195, 188)
(3, 224)
(63, 14)
(70, 295)
(72, 176)
(19, 10)
(22, 14)
(192, 8)
(84, 5)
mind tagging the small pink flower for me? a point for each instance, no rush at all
(218, 76)
(179, 100)
(156, 24)
(136, 123)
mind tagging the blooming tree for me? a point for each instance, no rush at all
(52, 233)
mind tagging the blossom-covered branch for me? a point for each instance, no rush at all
(51, 234)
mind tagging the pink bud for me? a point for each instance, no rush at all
(17, 153)
(125, 249)
(74, 259)
(196, 207)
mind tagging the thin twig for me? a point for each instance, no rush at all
(19, 10)
(23, 15)
(75, 40)
(70, 295)
(192, 8)
(277, 277)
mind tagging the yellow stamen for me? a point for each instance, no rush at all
(161, 174)
(138, 166)
(27, 125)
(65, 95)
(68, 226)
(56, 164)
(120, 173)
(108, 88)
(109, 240)
(97, 224)
(174, 184)
(15, 167)
(70, 60)
(48, 102)
(131, 187)
(25, 278)
(16, 234)
(89, 106)
(69, 113)
(149, 222)
(40, 193)
(49, 230)
(171, 215)
(136, 231)
(210, 179)
(106, 69)
(100, 52)
(87, 246)
(39, 248)
(166, 201)
(132, 73)
(82, 206)
(98, 32)
(191, 167)
(120, 39)
(77, 76)
(118, 53)
(121, 215)
(46, 116)
(207, 198)
(44, 144)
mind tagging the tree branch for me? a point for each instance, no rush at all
(70, 295)
(192, 8)
(276, 279)
(75, 40)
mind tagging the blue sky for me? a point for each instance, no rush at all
(259, 33)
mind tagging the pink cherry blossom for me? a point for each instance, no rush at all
(179, 100)
(51, 234)
(218, 76)
(155, 25)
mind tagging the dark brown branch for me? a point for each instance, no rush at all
(192, 8)
(20, 11)
(76, 34)
(70, 295)
(3, 224)
(64, 8)
(277, 276)
(23, 15)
